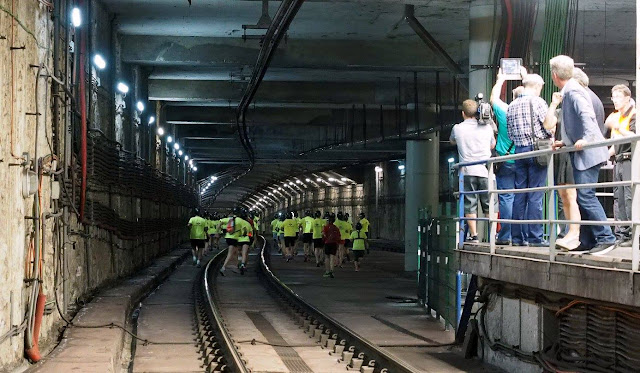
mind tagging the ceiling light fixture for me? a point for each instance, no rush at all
(161, 131)
(76, 17)
(169, 139)
(123, 88)
(140, 106)
(152, 119)
(99, 62)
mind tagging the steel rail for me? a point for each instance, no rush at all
(344, 338)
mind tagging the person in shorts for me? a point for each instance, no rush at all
(198, 234)
(307, 234)
(290, 229)
(318, 244)
(331, 238)
(474, 142)
(358, 237)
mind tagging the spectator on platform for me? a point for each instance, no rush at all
(622, 123)
(598, 108)
(505, 172)
(525, 117)
(580, 128)
(474, 142)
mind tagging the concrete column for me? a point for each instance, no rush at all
(480, 30)
(421, 191)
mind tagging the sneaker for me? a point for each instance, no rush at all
(327, 274)
(542, 243)
(503, 242)
(242, 268)
(289, 259)
(521, 244)
(306, 258)
(626, 242)
(198, 264)
(473, 239)
(331, 274)
(317, 264)
(602, 248)
(221, 271)
(195, 260)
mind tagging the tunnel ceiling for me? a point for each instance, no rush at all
(337, 55)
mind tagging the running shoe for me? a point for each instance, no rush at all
(317, 264)
(221, 272)
(331, 275)
(602, 248)
(327, 274)
(198, 264)
(195, 260)
(289, 259)
(473, 239)
(242, 268)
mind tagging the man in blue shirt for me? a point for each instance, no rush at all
(580, 128)
(505, 174)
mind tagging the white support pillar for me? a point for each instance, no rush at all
(422, 182)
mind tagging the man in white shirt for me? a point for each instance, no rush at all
(474, 142)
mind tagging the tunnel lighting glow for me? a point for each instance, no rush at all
(270, 193)
(291, 183)
(180, 153)
(191, 162)
(140, 106)
(451, 160)
(318, 179)
(378, 169)
(176, 146)
(279, 188)
(298, 182)
(214, 178)
(332, 179)
(401, 167)
(308, 180)
(99, 61)
(161, 131)
(344, 179)
(122, 88)
(169, 139)
(76, 17)
(186, 158)
(195, 168)
(152, 120)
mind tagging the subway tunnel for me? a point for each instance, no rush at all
(124, 119)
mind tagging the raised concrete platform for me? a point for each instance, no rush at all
(100, 349)
(379, 303)
(606, 278)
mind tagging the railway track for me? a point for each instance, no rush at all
(234, 315)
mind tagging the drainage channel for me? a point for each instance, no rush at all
(255, 323)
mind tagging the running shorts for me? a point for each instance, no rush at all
(307, 237)
(197, 244)
(347, 243)
(318, 243)
(231, 242)
(275, 236)
(289, 241)
(357, 254)
(250, 240)
(330, 248)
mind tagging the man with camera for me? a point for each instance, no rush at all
(474, 142)
(525, 117)
(505, 171)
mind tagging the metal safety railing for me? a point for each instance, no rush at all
(552, 222)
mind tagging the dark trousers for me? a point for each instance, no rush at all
(622, 195)
(591, 208)
(528, 206)
(506, 179)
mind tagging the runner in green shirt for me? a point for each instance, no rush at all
(307, 233)
(365, 228)
(290, 228)
(318, 245)
(198, 235)
(237, 236)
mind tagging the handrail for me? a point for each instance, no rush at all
(536, 153)
(492, 191)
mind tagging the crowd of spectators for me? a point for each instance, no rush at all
(574, 117)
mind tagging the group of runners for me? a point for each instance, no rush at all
(327, 237)
(239, 228)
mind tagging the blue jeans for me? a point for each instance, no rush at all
(528, 206)
(505, 178)
(591, 209)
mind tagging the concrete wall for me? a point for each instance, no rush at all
(77, 258)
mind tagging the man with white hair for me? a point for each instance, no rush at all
(525, 117)
(579, 127)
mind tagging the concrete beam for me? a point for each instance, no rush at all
(295, 53)
(292, 117)
(301, 92)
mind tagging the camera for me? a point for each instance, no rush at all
(485, 113)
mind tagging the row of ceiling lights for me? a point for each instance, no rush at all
(100, 63)
(208, 184)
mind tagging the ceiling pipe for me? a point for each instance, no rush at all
(432, 43)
